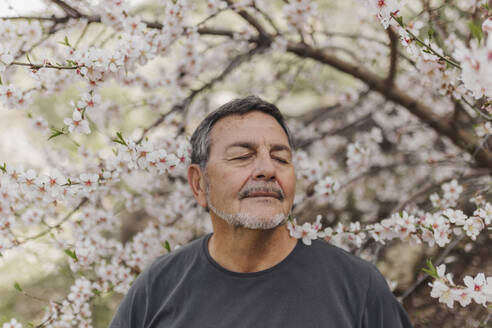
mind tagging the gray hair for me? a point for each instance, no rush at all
(200, 140)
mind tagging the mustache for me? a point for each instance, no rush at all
(248, 190)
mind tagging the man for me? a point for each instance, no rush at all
(250, 272)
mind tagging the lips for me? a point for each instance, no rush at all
(261, 191)
(258, 194)
(263, 194)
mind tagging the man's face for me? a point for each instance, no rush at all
(250, 179)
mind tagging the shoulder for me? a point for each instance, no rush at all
(350, 271)
(153, 282)
(172, 263)
(166, 268)
(379, 306)
(336, 257)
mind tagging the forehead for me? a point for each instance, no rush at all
(254, 127)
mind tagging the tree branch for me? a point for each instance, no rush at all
(446, 127)
(262, 33)
(306, 142)
(187, 101)
(443, 126)
(70, 11)
(393, 56)
(97, 19)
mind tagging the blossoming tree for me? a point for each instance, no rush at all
(395, 146)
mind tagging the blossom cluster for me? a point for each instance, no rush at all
(213, 6)
(475, 60)
(85, 106)
(6, 58)
(12, 97)
(75, 309)
(21, 188)
(298, 12)
(384, 9)
(327, 186)
(450, 194)
(477, 289)
(429, 228)
(476, 64)
(148, 176)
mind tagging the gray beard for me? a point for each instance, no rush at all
(248, 220)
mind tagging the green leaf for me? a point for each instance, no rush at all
(431, 269)
(1, 80)
(28, 59)
(71, 62)
(476, 31)
(3, 168)
(430, 33)
(17, 286)
(167, 246)
(55, 133)
(399, 20)
(120, 139)
(65, 42)
(72, 254)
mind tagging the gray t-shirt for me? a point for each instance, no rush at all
(314, 286)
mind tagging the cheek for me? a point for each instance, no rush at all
(288, 183)
(229, 183)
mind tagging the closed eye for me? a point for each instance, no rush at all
(281, 160)
(242, 157)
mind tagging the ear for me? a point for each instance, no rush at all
(196, 179)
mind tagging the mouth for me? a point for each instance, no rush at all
(263, 195)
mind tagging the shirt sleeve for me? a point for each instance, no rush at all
(132, 310)
(382, 310)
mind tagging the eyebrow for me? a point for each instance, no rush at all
(252, 146)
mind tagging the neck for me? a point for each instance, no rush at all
(246, 250)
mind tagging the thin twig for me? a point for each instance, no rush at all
(324, 134)
(425, 191)
(39, 66)
(439, 260)
(428, 47)
(56, 226)
(86, 27)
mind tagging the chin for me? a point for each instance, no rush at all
(259, 221)
(254, 216)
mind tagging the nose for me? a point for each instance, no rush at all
(264, 168)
